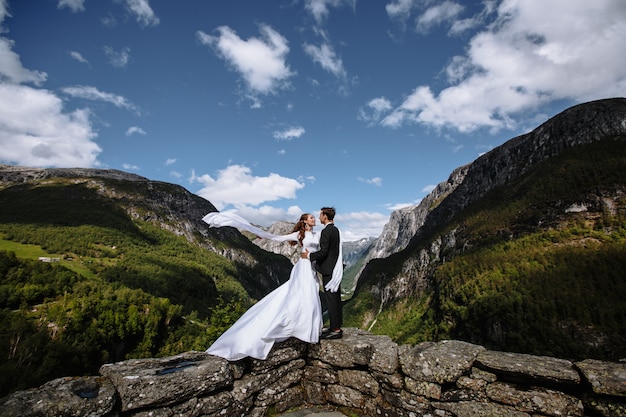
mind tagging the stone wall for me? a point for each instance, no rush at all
(367, 374)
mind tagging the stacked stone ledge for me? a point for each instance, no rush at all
(367, 374)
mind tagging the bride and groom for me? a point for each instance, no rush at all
(294, 308)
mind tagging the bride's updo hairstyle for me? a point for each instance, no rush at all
(300, 227)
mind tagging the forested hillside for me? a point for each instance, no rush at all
(125, 286)
(535, 266)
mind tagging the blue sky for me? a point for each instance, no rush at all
(275, 108)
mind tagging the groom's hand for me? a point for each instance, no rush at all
(305, 254)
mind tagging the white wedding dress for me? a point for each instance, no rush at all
(291, 310)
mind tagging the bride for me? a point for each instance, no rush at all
(291, 310)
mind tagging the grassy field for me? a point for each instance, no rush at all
(27, 251)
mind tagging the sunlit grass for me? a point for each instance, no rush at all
(28, 251)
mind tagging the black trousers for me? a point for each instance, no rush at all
(333, 303)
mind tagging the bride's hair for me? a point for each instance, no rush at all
(300, 227)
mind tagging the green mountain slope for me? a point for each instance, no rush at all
(128, 282)
(536, 266)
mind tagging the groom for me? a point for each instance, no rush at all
(326, 259)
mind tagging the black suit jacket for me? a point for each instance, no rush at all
(328, 253)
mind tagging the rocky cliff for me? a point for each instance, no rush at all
(361, 374)
(577, 125)
(466, 269)
(404, 223)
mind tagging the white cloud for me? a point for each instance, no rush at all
(78, 57)
(377, 181)
(35, 131)
(529, 55)
(438, 14)
(130, 167)
(135, 130)
(358, 225)
(11, 69)
(236, 186)
(374, 110)
(319, 8)
(73, 5)
(143, 12)
(117, 59)
(170, 161)
(400, 9)
(261, 62)
(326, 57)
(288, 133)
(92, 93)
(3, 13)
(109, 21)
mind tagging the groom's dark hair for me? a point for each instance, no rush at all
(328, 212)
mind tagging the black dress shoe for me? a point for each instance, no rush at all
(325, 332)
(333, 334)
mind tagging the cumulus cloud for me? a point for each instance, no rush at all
(289, 133)
(170, 161)
(261, 62)
(35, 131)
(529, 55)
(11, 68)
(236, 186)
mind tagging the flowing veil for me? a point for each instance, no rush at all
(221, 219)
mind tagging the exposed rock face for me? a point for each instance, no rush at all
(582, 124)
(577, 125)
(404, 223)
(13, 174)
(281, 248)
(366, 373)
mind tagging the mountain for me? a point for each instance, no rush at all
(132, 271)
(76, 196)
(522, 250)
